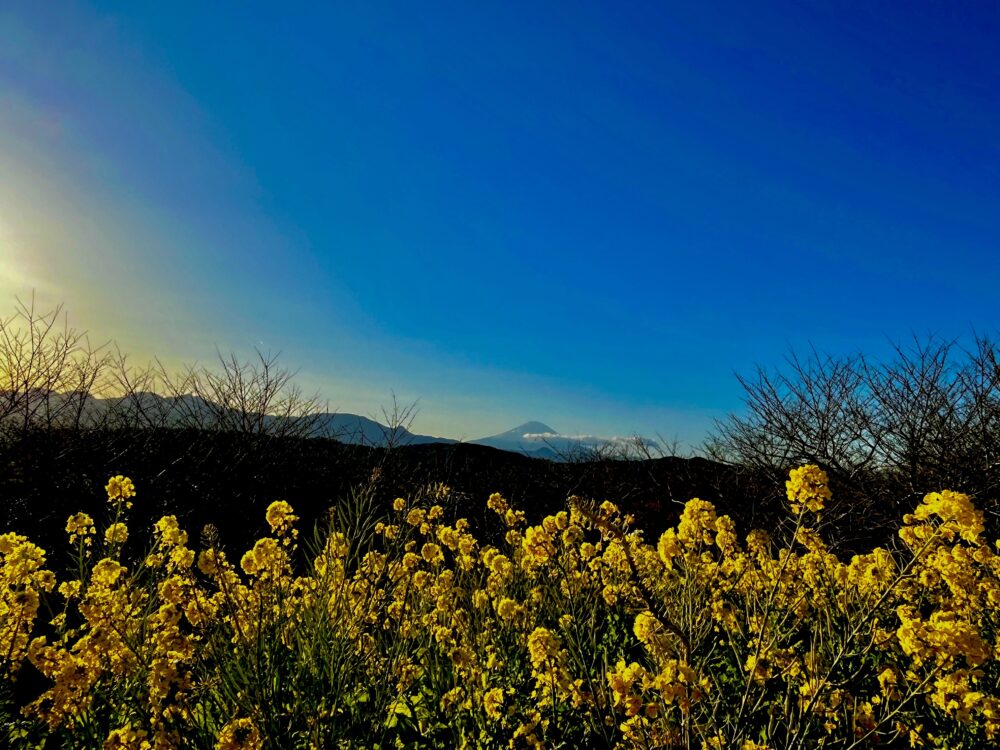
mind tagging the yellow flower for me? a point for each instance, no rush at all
(116, 533)
(538, 546)
(513, 517)
(119, 489)
(168, 533)
(266, 558)
(106, 573)
(543, 645)
(497, 504)
(610, 595)
(280, 517)
(646, 627)
(621, 681)
(432, 553)
(526, 732)
(943, 638)
(958, 516)
(80, 526)
(669, 548)
(70, 589)
(209, 560)
(493, 702)
(608, 508)
(807, 487)
(181, 557)
(127, 738)
(448, 536)
(508, 609)
(239, 734)
(466, 544)
(697, 524)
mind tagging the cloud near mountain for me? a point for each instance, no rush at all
(543, 436)
(538, 439)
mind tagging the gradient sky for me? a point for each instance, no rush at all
(587, 214)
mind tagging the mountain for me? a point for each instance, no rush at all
(538, 440)
(145, 409)
(534, 439)
(150, 410)
(358, 430)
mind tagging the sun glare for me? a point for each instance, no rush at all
(18, 274)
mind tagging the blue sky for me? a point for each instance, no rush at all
(587, 214)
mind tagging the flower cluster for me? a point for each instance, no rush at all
(120, 491)
(807, 488)
(410, 630)
(23, 580)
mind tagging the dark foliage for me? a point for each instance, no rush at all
(228, 479)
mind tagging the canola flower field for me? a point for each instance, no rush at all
(408, 631)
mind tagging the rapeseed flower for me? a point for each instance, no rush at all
(116, 533)
(807, 487)
(120, 490)
(239, 734)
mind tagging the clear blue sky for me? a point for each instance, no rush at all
(587, 214)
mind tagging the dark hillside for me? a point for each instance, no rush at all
(228, 479)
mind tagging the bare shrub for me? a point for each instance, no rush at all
(888, 430)
(48, 370)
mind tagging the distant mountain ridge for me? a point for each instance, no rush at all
(358, 430)
(147, 409)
